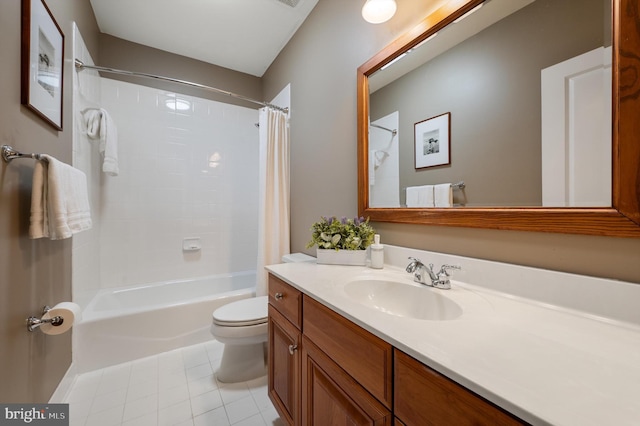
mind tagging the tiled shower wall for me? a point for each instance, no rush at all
(385, 192)
(188, 173)
(188, 169)
(85, 258)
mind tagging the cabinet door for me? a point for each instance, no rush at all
(284, 367)
(331, 397)
(425, 397)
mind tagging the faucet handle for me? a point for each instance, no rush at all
(445, 268)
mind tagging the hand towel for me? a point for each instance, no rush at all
(420, 196)
(59, 200)
(92, 118)
(101, 126)
(443, 195)
(39, 223)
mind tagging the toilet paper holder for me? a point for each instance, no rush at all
(34, 322)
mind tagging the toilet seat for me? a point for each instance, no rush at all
(245, 312)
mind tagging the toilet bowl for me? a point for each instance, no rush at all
(242, 327)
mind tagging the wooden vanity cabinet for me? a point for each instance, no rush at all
(285, 338)
(332, 397)
(423, 396)
(365, 357)
(326, 370)
(346, 371)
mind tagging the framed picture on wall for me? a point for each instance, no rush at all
(432, 140)
(42, 62)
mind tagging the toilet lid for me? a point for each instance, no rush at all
(242, 312)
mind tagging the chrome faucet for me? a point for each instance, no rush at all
(438, 280)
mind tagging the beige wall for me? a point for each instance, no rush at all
(32, 272)
(320, 63)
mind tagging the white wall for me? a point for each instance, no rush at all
(183, 174)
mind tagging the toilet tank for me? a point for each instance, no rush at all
(297, 257)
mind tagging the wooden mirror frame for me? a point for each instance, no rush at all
(621, 220)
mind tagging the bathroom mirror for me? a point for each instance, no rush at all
(617, 214)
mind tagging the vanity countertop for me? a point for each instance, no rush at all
(545, 364)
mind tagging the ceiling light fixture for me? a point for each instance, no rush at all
(378, 11)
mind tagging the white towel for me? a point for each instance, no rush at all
(443, 195)
(59, 200)
(420, 196)
(380, 156)
(100, 126)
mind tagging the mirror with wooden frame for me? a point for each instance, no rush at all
(620, 217)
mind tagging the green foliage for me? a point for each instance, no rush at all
(345, 234)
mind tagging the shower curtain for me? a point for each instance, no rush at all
(273, 203)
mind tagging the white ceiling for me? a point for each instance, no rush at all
(242, 35)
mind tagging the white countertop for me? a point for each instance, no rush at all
(544, 364)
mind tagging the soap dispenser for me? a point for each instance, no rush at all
(377, 253)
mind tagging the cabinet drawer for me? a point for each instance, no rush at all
(286, 299)
(424, 397)
(362, 355)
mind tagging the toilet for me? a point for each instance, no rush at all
(242, 327)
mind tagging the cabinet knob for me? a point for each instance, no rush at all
(293, 348)
(278, 296)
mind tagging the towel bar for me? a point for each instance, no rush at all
(8, 154)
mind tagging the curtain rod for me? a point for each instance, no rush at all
(81, 65)
(393, 132)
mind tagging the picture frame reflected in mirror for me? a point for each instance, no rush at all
(432, 140)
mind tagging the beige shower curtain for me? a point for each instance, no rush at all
(273, 203)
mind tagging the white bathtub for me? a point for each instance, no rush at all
(124, 324)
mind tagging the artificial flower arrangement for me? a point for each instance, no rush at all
(346, 234)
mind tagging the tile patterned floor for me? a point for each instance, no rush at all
(173, 388)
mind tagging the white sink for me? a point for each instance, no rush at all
(403, 300)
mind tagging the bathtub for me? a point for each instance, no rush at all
(123, 324)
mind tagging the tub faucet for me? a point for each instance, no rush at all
(438, 280)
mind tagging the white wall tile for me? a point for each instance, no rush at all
(167, 191)
(85, 245)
